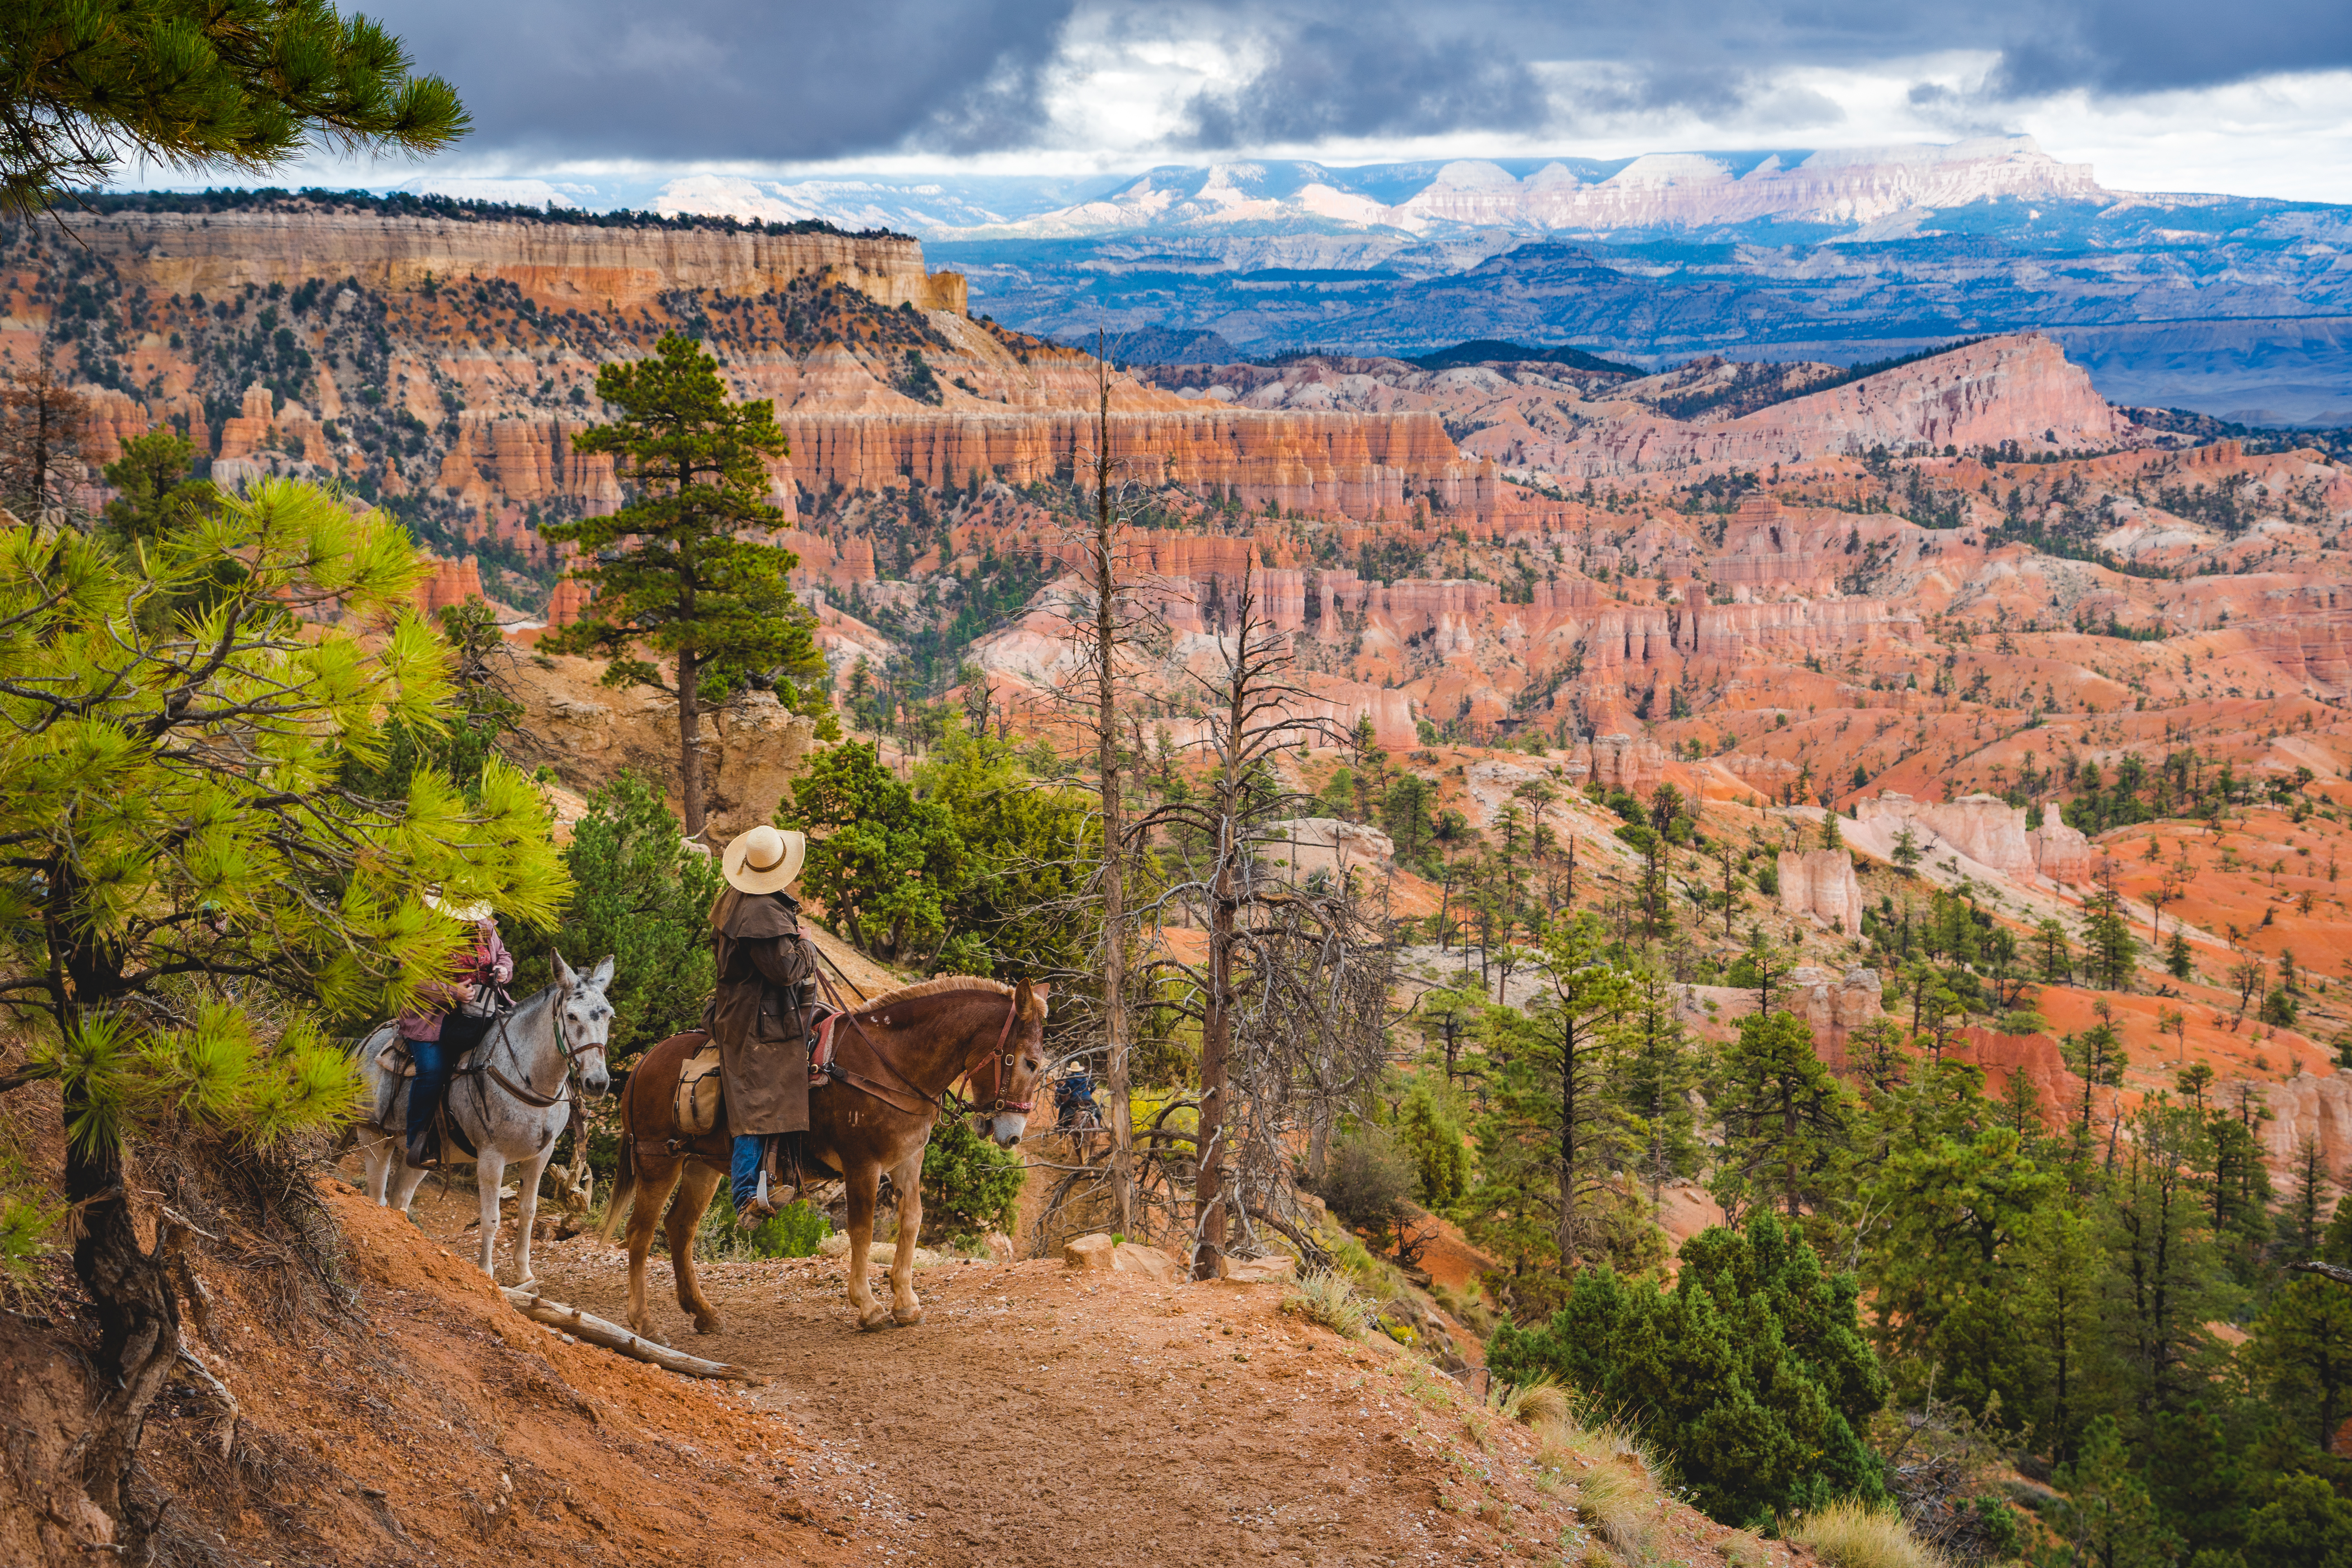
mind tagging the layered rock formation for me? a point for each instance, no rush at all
(1821, 883)
(593, 266)
(1984, 828)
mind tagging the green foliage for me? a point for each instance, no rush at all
(884, 862)
(1405, 813)
(969, 1184)
(2305, 1525)
(639, 894)
(1366, 1179)
(193, 900)
(156, 495)
(1752, 1373)
(465, 739)
(1551, 1139)
(792, 1231)
(1432, 1139)
(1785, 1118)
(1017, 901)
(230, 86)
(2301, 1352)
(2107, 1517)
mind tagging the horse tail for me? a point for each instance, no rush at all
(624, 1179)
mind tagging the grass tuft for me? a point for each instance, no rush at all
(1325, 1296)
(1616, 1479)
(1534, 1403)
(1854, 1535)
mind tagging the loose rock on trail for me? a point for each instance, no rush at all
(1051, 1416)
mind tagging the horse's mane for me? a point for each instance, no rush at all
(940, 986)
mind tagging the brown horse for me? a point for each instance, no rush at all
(895, 1058)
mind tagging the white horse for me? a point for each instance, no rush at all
(510, 1096)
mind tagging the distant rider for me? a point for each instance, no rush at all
(450, 1020)
(764, 979)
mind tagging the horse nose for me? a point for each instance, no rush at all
(598, 1083)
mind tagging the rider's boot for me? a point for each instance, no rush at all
(748, 1180)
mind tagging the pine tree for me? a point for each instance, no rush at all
(2301, 1351)
(1653, 1070)
(1785, 1120)
(229, 87)
(1561, 1085)
(172, 810)
(2114, 947)
(2098, 1059)
(2165, 1278)
(673, 575)
(2057, 955)
(2108, 1517)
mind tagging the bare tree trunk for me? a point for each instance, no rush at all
(1217, 1025)
(1115, 1042)
(689, 745)
(139, 1330)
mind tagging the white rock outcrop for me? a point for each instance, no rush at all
(1821, 883)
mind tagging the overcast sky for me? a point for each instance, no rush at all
(2253, 99)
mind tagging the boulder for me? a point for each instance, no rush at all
(1275, 1270)
(1000, 1247)
(1095, 1251)
(1134, 1258)
(1100, 1253)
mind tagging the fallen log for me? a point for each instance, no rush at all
(612, 1337)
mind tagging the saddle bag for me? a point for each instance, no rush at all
(698, 1091)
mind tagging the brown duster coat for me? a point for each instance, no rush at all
(754, 1011)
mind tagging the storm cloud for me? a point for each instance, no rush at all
(794, 81)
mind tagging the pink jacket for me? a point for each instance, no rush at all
(489, 964)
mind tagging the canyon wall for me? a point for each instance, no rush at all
(1335, 464)
(1988, 830)
(591, 265)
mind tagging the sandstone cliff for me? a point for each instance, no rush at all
(557, 262)
(1983, 828)
(1821, 883)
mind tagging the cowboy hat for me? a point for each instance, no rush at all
(764, 860)
(472, 914)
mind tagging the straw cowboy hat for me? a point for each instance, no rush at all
(472, 914)
(764, 860)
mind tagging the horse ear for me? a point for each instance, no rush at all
(563, 974)
(602, 975)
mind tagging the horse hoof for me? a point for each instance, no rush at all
(908, 1317)
(879, 1318)
(711, 1325)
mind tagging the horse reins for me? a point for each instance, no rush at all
(523, 1092)
(936, 1102)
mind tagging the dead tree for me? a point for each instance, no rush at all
(41, 422)
(1108, 617)
(1281, 997)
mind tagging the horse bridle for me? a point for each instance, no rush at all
(571, 1054)
(1004, 1065)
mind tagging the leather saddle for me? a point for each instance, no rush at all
(700, 1089)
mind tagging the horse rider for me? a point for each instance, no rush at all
(450, 1020)
(757, 1015)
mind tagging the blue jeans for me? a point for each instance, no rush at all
(743, 1173)
(436, 1059)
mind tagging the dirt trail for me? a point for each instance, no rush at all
(1046, 1416)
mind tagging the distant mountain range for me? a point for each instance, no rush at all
(2234, 307)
